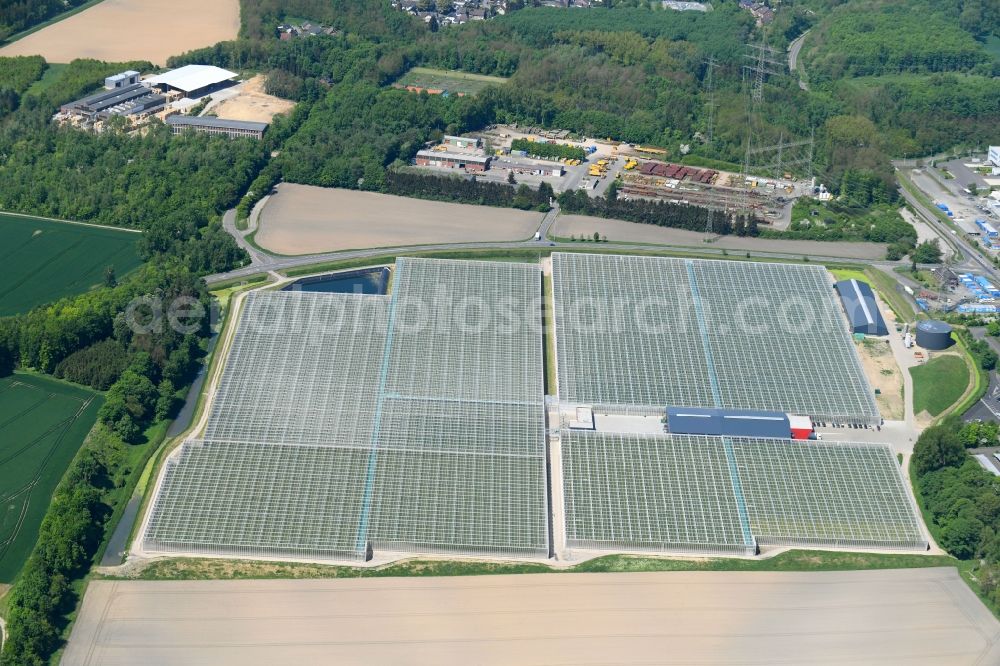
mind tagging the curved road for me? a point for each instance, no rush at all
(261, 262)
(793, 60)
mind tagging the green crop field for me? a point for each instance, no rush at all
(45, 260)
(939, 383)
(42, 424)
(453, 81)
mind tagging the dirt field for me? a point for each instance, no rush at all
(914, 616)
(302, 219)
(632, 232)
(252, 103)
(883, 374)
(122, 30)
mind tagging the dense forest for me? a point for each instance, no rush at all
(631, 73)
(960, 498)
(891, 39)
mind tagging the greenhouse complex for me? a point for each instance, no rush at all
(685, 394)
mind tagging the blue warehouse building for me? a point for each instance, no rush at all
(862, 311)
(728, 422)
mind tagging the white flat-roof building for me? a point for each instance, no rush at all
(123, 80)
(994, 156)
(193, 80)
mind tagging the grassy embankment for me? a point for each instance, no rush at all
(794, 560)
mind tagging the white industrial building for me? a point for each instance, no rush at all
(193, 80)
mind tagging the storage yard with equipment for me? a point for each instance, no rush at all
(368, 428)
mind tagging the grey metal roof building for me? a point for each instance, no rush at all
(210, 125)
(117, 101)
(862, 310)
(122, 80)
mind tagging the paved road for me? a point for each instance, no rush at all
(894, 617)
(257, 257)
(793, 60)
(262, 262)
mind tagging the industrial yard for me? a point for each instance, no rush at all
(126, 30)
(533, 156)
(364, 429)
(199, 98)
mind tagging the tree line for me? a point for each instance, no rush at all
(548, 150)
(659, 213)
(174, 189)
(468, 190)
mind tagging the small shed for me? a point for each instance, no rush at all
(862, 311)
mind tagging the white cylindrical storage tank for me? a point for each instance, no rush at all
(933, 334)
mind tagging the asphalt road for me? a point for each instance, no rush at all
(793, 60)
(262, 262)
(895, 617)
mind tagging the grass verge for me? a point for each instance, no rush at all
(793, 560)
(980, 385)
(939, 384)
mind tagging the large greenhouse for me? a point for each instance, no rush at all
(346, 427)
